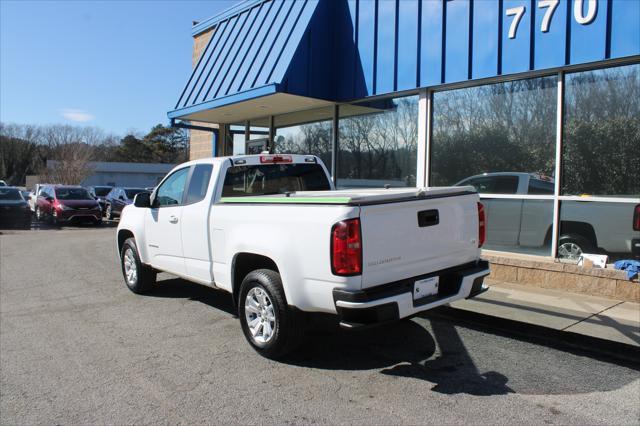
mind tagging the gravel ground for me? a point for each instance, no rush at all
(77, 347)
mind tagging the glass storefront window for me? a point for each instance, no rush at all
(501, 139)
(503, 128)
(258, 134)
(305, 132)
(524, 226)
(597, 227)
(377, 143)
(311, 138)
(601, 147)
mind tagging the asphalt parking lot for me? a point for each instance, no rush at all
(77, 347)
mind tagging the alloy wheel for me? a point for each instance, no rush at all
(570, 251)
(260, 315)
(130, 267)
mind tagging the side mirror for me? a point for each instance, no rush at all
(142, 200)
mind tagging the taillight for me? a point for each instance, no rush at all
(482, 225)
(346, 248)
(636, 218)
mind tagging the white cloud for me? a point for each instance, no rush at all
(77, 115)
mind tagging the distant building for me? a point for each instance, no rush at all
(124, 174)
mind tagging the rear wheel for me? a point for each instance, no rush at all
(271, 327)
(138, 277)
(572, 246)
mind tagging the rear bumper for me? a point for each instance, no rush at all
(393, 301)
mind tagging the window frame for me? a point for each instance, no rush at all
(426, 134)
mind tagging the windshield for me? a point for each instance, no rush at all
(132, 192)
(268, 179)
(73, 194)
(10, 194)
(101, 191)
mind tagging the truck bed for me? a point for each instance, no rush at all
(354, 196)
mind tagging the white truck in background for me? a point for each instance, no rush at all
(272, 231)
(585, 227)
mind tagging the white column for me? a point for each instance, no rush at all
(423, 130)
(555, 230)
(335, 129)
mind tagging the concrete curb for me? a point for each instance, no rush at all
(605, 350)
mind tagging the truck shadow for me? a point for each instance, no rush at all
(451, 357)
(177, 288)
(402, 349)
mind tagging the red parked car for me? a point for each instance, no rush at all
(61, 203)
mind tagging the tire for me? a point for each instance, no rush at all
(572, 246)
(38, 214)
(143, 277)
(97, 222)
(269, 313)
(108, 212)
(54, 218)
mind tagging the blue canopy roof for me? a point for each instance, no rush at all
(250, 55)
(270, 57)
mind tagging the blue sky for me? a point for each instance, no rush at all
(118, 65)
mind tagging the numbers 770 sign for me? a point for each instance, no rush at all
(579, 14)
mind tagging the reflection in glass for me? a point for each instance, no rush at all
(378, 143)
(311, 138)
(601, 148)
(522, 226)
(597, 227)
(500, 128)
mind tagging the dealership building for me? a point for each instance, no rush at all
(536, 103)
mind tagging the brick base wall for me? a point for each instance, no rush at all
(562, 276)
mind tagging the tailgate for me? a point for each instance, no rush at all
(409, 238)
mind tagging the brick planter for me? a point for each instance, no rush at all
(546, 273)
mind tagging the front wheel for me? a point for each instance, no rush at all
(138, 277)
(109, 212)
(269, 325)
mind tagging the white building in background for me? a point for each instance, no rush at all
(123, 174)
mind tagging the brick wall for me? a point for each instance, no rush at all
(200, 143)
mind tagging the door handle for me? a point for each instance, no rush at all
(173, 219)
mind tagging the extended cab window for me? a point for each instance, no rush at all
(265, 179)
(199, 183)
(495, 184)
(540, 187)
(171, 191)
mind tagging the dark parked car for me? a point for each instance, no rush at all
(118, 198)
(100, 193)
(14, 209)
(60, 204)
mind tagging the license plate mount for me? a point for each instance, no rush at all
(425, 287)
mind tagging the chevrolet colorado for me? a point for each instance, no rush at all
(272, 231)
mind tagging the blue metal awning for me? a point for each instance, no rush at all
(248, 57)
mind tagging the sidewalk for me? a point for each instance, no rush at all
(595, 317)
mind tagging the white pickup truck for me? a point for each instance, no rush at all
(585, 226)
(272, 231)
